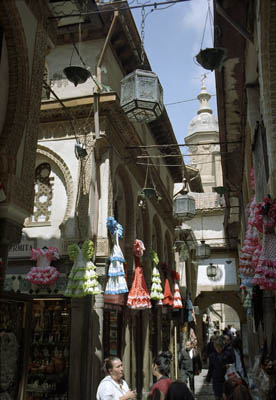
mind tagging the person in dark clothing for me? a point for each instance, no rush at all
(228, 348)
(185, 365)
(219, 361)
(179, 391)
(239, 360)
(209, 350)
(233, 389)
(161, 370)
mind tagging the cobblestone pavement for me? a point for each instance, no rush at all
(203, 390)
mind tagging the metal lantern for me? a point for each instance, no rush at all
(184, 207)
(212, 270)
(142, 96)
(203, 250)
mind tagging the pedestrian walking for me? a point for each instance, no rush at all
(239, 361)
(210, 348)
(234, 389)
(113, 386)
(161, 367)
(228, 348)
(185, 363)
(217, 367)
(179, 391)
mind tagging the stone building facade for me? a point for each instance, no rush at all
(246, 114)
(70, 199)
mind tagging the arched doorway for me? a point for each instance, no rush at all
(205, 300)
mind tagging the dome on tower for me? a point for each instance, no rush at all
(204, 121)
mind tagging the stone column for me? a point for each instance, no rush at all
(127, 348)
(147, 356)
(76, 369)
(95, 348)
(10, 234)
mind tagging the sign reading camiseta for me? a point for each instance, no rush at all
(22, 249)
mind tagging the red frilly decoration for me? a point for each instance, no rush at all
(138, 297)
(168, 297)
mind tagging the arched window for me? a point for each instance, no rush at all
(43, 195)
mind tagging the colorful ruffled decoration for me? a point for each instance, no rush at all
(116, 283)
(265, 222)
(168, 297)
(43, 274)
(138, 297)
(114, 227)
(177, 302)
(154, 257)
(156, 291)
(83, 278)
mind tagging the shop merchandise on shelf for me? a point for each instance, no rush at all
(49, 351)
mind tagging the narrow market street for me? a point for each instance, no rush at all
(203, 390)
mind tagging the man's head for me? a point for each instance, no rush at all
(227, 340)
(188, 345)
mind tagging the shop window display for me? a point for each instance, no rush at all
(11, 344)
(49, 351)
(112, 333)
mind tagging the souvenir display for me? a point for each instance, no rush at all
(168, 297)
(177, 302)
(11, 340)
(156, 291)
(83, 279)
(265, 221)
(43, 274)
(138, 297)
(49, 351)
(116, 283)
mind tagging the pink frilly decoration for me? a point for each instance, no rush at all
(175, 275)
(138, 248)
(44, 276)
(252, 179)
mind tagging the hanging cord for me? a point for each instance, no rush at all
(143, 14)
(147, 170)
(209, 18)
(77, 51)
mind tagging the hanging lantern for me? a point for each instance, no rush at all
(212, 270)
(203, 250)
(184, 207)
(142, 96)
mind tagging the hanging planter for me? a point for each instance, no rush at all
(148, 192)
(76, 75)
(212, 58)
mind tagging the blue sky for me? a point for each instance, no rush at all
(172, 38)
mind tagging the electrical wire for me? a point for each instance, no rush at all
(152, 146)
(184, 101)
(122, 8)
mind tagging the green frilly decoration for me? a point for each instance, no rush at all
(87, 248)
(154, 257)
